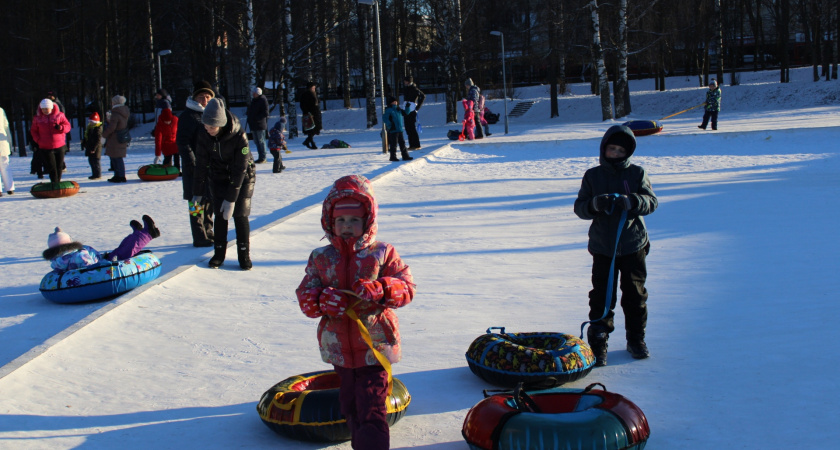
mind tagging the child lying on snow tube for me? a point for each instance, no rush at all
(65, 254)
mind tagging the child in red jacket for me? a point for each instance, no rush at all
(356, 272)
(165, 131)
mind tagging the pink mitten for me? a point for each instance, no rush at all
(333, 303)
(369, 290)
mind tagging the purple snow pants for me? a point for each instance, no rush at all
(131, 245)
(363, 394)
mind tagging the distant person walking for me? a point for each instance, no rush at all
(49, 127)
(5, 151)
(92, 145)
(712, 106)
(411, 93)
(474, 97)
(115, 149)
(309, 104)
(257, 115)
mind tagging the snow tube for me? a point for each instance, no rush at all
(306, 407)
(55, 190)
(157, 172)
(538, 359)
(102, 280)
(643, 127)
(556, 419)
(453, 134)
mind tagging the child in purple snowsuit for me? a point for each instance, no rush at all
(277, 142)
(65, 254)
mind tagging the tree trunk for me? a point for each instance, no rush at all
(289, 71)
(622, 93)
(598, 59)
(719, 40)
(252, 45)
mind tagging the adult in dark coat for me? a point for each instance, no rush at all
(224, 164)
(411, 93)
(189, 125)
(309, 104)
(257, 115)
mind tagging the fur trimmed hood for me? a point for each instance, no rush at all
(59, 250)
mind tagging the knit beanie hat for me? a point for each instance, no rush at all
(214, 113)
(118, 100)
(94, 118)
(349, 207)
(390, 99)
(203, 86)
(58, 238)
(713, 83)
(469, 82)
(627, 141)
(408, 78)
(46, 103)
(257, 91)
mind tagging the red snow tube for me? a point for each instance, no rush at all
(306, 407)
(157, 172)
(556, 419)
(643, 127)
(55, 190)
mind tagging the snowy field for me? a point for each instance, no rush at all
(743, 262)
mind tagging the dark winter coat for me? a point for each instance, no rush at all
(309, 104)
(473, 95)
(189, 125)
(393, 119)
(412, 93)
(118, 121)
(224, 159)
(339, 265)
(92, 141)
(713, 99)
(622, 178)
(257, 113)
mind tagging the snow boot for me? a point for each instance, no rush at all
(150, 227)
(135, 225)
(636, 347)
(405, 156)
(219, 256)
(393, 156)
(598, 341)
(244, 254)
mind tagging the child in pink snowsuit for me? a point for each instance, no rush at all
(469, 119)
(66, 254)
(355, 271)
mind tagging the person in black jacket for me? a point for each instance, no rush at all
(257, 115)
(189, 125)
(309, 104)
(411, 93)
(224, 164)
(608, 191)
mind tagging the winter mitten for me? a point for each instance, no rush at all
(308, 301)
(368, 290)
(333, 302)
(57, 126)
(227, 210)
(603, 202)
(102, 140)
(158, 159)
(626, 202)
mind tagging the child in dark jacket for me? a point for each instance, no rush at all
(92, 145)
(357, 276)
(393, 118)
(66, 254)
(608, 191)
(277, 142)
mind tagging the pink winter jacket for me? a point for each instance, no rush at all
(44, 132)
(339, 265)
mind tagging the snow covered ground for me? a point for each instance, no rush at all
(743, 263)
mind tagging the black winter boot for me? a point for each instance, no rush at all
(154, 232)
(244, 254)
(393, 155)
(598, 341)
(135, 225)
(218, 257)
(405, 156)
(636, 346)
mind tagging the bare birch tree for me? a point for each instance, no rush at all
(598, 61)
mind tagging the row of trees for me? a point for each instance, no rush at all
(89, 50)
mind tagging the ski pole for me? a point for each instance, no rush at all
(685, 110)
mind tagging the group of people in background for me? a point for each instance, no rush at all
(475, 125)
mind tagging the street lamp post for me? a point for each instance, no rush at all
(375, 4)
(504, 74)
(160, 76)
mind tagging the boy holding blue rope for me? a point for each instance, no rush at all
(615, 195)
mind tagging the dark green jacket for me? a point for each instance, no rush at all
(620, 178)
(713, 99)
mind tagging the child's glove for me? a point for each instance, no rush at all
(603, 202)
(369, 290)
(102, 141)
(227, 209)
(158, 160)
(333, 303)
(57, 126)
(626, 202)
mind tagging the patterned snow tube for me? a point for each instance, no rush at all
(157, 172)
(591, 419)
(643, 127)
(537, 359)
(55, 190)
(103, 280)
(306, 407)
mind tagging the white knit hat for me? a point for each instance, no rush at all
(58, 238)
(257, 91)
(46, 103)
